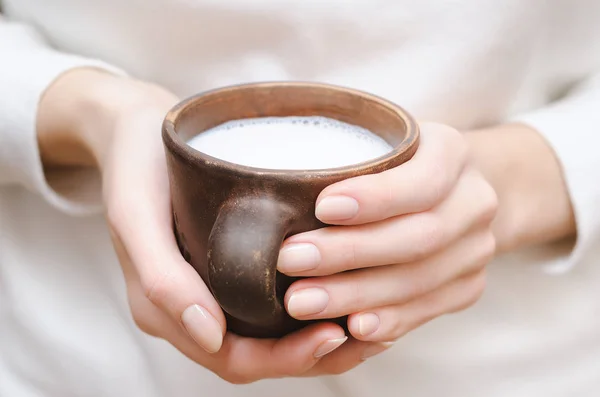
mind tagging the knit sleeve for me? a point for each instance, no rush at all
(571, 126)
(28, 66)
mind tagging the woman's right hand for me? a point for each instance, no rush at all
(90, 117)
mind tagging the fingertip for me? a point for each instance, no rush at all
(363, 326)
(355, 201)
(341, 203)
(305, 303)
(336, 208)
(295, 258)
(203, 328)
(329, 346)
(340, 360)
(314, 341)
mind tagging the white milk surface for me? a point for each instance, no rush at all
(291, 143)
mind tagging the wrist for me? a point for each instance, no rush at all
(77, 114)
(534, 204)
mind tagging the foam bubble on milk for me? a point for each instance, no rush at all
(291, 143)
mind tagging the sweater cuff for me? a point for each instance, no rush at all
(570, 127)
(73, 190)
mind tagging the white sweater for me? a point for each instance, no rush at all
(65, 328)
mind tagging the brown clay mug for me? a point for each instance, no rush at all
(230, 220)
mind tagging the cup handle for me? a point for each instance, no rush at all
(243, 248)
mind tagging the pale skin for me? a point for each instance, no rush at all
(417, 237)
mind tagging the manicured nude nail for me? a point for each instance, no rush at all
(328, 346)
(368, 323)
(203, 328)
(375, 349)
(305, 302)
(336, 208)
(299, 257)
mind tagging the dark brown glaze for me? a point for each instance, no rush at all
(230, 220)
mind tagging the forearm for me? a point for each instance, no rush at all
(534, 204)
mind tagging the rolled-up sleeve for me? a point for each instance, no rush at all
(28, 65)
(571, 126)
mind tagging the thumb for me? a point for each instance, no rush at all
(139, 213)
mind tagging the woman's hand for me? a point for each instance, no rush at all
(88, 117)
(412, 245)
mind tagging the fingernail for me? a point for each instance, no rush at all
(203, 328)
(336, 208)
(375, 349)
(294, 258)
(329, 346)
(307, 301)
(368, 323)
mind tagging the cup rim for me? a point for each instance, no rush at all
(177, 145)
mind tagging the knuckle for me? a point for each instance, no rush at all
(416, 287)
(472, 293)
(489, 203)
(484, 251)
(435, 184)
(453, 143)
(448, 165)
(488, 246)
(477, 288)
(430, 236)
(155, 287)
(460, 146)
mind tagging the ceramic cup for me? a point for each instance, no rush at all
(230, 220)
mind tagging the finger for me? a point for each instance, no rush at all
(245, 360)
(156, 321)
(392, 322)
(241, 360)
(139, 213)
(347, 357)
(342, 360)
(397, 240)
(415, 186)
(356, 291)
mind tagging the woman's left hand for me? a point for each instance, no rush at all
(409, 245)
